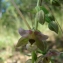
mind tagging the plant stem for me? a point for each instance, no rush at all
(37, 2)
(20, 13)
(36, 25)
(36, 22)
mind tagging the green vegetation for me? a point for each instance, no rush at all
(11, 21)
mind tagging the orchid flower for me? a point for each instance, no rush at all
(32, 37)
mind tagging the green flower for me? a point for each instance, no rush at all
(32, 37)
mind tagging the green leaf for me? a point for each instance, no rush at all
(53, 26)
(49, 18)
(22, 41)
(44, 9)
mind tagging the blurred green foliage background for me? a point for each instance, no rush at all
(10, 21)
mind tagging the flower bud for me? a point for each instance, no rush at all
(53, 26)
(40, 17)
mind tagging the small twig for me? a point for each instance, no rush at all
(20, 13)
